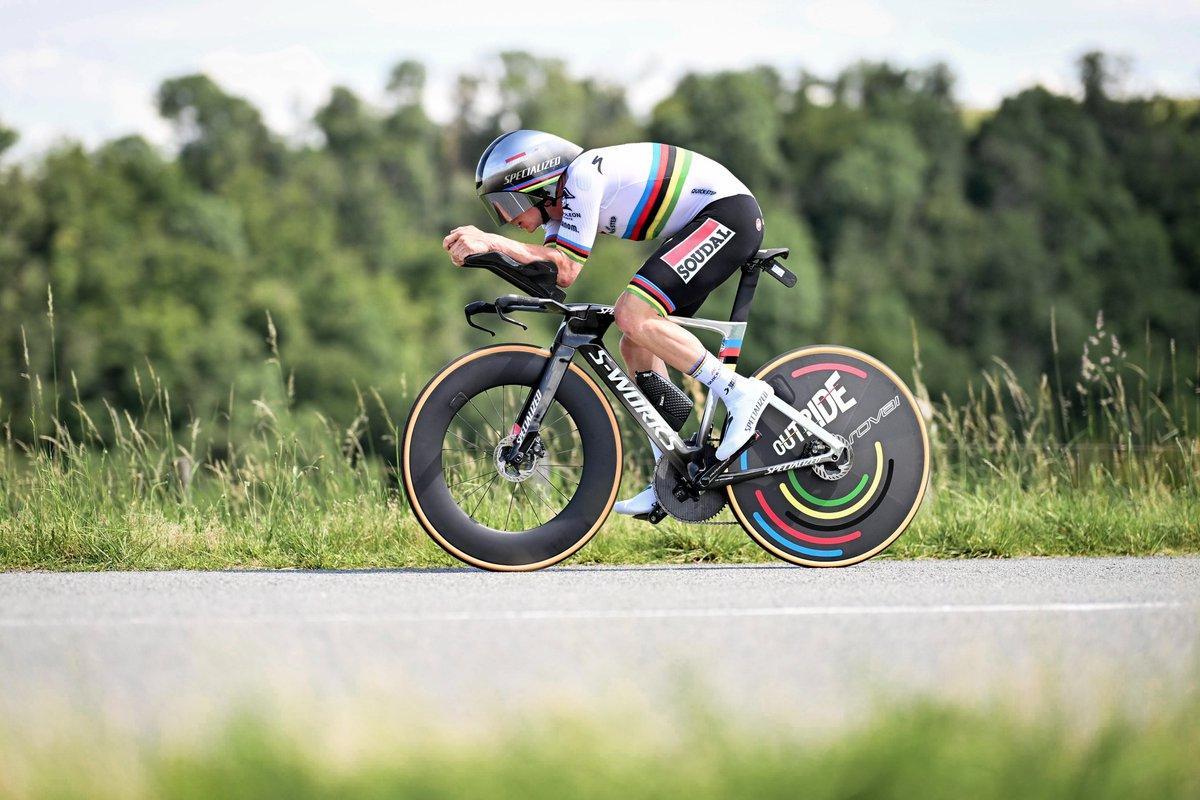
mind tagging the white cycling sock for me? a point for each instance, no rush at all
(715, 375)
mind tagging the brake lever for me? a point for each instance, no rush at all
(500, 313)
(479, 307)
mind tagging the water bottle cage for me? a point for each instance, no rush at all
(667, 398)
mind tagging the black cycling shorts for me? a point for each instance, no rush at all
(701, 256)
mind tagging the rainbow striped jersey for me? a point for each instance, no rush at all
(635, 191)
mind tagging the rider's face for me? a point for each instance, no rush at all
(529, 219)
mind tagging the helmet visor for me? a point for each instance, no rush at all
(504, 207)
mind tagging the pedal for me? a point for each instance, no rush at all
(716, 469)
(654, 516)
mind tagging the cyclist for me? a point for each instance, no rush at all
(707, 219)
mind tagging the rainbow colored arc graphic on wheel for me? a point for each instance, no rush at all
(843, 513)
(813, 544)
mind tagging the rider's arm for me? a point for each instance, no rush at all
(568, 270)
(573, 235)
(467, 240)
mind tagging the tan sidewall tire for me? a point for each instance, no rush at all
(414, 502)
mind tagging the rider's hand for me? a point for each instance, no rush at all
(466, 241)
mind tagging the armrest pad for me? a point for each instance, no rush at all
(537, 278)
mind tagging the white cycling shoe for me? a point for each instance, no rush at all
(641, 503)
(745, 405)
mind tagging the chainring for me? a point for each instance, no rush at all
(706, 506)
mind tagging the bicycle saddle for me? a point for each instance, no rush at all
(774, 252)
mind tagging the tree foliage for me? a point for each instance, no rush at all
(903, 214)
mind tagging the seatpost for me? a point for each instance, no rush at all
(745, 293)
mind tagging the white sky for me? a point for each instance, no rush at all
(88, 70)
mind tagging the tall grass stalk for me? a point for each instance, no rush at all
(1109, 465)
(1135, 440)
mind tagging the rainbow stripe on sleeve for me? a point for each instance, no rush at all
(574, 251)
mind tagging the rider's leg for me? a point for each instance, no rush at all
(678, 276)
(639, 359)
(646, 332)
(745, 398)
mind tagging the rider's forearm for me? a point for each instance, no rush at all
(568, 270)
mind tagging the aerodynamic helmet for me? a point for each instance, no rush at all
(519, 171)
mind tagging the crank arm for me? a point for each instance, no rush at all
(654, 516)
(835, 444)
(706, 477)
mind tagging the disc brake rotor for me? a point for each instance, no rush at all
(520, 472)
(689, 509)
(836, 470)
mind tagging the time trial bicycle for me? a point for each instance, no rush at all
(512, 455)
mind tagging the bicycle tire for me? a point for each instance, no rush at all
(435, 507)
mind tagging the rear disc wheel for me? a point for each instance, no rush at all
(843, 512)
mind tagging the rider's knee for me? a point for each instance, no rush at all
(629, 318)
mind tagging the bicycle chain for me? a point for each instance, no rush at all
(667, 515)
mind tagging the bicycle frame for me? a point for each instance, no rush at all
(582, 331)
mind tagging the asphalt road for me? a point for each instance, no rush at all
(802, 646)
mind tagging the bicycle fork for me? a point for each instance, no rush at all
(533, 411)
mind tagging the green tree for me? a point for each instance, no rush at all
(221, 134)
(8, 137)
(540, 93)
(733, 117)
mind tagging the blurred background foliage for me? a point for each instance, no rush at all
(906, 214)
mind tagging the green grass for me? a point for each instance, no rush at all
(1111, 467)
(923, 750)
(62, 519)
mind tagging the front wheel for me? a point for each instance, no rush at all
(836, 514)
(489, 513)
